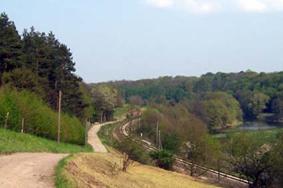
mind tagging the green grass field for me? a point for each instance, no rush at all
(11, 142)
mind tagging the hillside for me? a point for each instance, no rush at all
(103, 170)
(11, 142)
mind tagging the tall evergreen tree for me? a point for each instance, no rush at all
(40, 63)
(10, 46)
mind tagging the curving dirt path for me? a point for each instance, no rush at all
(28, 170)
(93, 138)
(37, 170)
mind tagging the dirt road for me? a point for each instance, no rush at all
(93, 138)
(36, 170)
(28, 170)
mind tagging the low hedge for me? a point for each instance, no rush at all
(39, 118)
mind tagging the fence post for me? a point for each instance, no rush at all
(6, 120)
(86, 132)
(23, 125)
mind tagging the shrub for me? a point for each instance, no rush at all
(164, 159)
(134, 150)
(40, 119)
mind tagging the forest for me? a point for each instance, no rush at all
(195, 115)
(189, 111)
(233, 96)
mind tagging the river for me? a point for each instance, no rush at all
(259, 125)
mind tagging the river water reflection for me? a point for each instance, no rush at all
(259, 125)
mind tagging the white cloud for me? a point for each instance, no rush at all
(276, 4)
(161, 3)
(211, 6)
(252, 6)
(194, 6)
(201, 6)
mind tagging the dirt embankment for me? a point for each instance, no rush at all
(105, 170)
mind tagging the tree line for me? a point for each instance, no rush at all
(38, 62)
(233, 96)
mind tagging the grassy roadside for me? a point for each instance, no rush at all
(105, 170)
(105, 135)
(62, 178)
(11, 142)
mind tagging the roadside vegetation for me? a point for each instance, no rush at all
(39, 119)
(63, 180)
(11, 142)
(105, 135)
(34, 67)
(107, 171)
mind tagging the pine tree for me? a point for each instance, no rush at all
(40, 63)
(10, 46)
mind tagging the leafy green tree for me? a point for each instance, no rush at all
(220, 110)
(252, 103)
(53, 66)
(105, 98)
(22, 78)
(252, 159)
(277, 153)
(171, 142)
(277, 105)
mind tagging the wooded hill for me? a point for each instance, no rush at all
(253, 92)
(34, 67)
(38, 62)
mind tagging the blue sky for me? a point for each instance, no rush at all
(133, 39)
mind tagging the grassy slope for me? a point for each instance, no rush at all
(11, 142)
(63, 180)
(100, 169)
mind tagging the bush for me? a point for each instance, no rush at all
(164, 159)
(39, 119)
(135, 151)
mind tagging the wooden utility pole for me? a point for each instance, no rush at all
(23, 125)
(59, 116)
